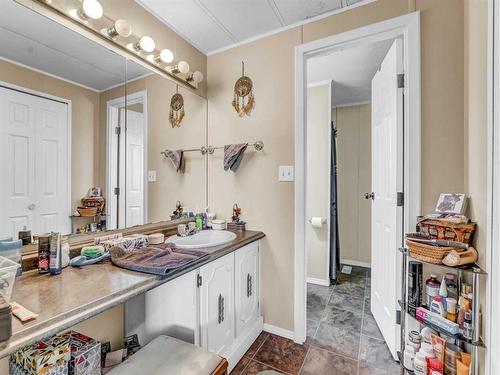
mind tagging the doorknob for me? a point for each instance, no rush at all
(31, 207)
(370, 196)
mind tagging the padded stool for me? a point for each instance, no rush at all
(167, 355)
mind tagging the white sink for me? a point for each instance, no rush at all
(205, 238)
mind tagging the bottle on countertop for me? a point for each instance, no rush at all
(432, 287)
(55, 262)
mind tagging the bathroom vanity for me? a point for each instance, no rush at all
(213, 302)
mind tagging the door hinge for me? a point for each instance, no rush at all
(398, 316)
(199, 281)
(400, 199)
(117, 191)
(118, 130)
(401, 80)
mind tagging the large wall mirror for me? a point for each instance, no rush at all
(79, 121)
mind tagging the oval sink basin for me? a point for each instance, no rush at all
(205, 238)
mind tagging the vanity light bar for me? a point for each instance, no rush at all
(91, 12)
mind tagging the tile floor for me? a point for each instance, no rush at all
(342, 336)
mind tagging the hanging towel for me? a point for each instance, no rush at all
(177, 159)
(157, 259)
(233, 154)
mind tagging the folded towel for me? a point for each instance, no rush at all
(177, 159)
(157, 259)
(233, 154)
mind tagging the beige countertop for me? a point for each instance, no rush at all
(80, 293)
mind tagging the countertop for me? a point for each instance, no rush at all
(81, 293)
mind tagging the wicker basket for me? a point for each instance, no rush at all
(87, 211)
(446, 230)
(427, 253)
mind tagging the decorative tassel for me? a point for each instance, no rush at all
(243, 88)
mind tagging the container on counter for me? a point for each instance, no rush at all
(44, 253)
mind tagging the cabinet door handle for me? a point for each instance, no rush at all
(222, 310)
(219, 309)
(248, 285)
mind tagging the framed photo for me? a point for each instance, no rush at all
(451, 203)
(94, 192)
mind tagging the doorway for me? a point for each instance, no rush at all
(395, 168)
(127, 160)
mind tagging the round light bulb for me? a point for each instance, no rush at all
(147, 44)
(92, 9)
(197, 76)
(123, 28)
(166, 56)
(183, 67)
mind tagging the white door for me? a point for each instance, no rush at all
(387, 125)
(134, 174)
(217, 304)
(247, 286)
(34, 159)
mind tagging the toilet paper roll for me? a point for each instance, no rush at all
(317, 222)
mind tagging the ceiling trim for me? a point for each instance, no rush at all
(291, 26)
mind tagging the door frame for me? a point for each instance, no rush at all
(139, 96)
(406, 27)
(68, 102)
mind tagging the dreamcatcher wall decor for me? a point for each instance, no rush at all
(244, 100)
(176, 109)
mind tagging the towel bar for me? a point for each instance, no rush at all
(259, 146)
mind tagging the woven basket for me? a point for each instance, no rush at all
(87, 211)
(446, 230)
(427, 253)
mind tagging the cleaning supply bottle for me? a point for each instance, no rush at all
(432, 286)
(437, 306)
(55, 259)
(199, 221)
(443, 292)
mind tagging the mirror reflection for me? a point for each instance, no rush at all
(82, 130)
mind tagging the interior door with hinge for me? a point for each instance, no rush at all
(387, 180)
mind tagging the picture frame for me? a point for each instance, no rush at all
(451, 203)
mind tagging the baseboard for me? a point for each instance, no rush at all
(312, 280)
(243, 343)
(355, 263)
(278, 331)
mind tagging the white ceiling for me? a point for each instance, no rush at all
(351, 71)
(37, 42)
(212, 25)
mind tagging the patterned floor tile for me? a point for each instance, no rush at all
(319, 361)
(282, 354)
(337, 340)
(375, 358)
(257, 344)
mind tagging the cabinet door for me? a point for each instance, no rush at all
(217, 304)
(247, 285)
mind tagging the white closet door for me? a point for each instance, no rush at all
(135, 176)
(17, 145)
(34, 159)
(51, 167)
(387, 117)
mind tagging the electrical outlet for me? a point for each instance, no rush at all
(151, 176)
(285, 173)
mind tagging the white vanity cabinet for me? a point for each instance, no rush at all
(217, 329)
(247, 286)
(216, 306)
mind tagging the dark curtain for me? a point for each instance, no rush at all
(334, 222)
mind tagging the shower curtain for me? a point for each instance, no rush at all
(334, 224)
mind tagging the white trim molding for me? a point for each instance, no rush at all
(269, 328)
(356, 263)
(406, 27)
(315, 281)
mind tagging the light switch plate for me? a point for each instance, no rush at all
(151, 176)
(285, 173)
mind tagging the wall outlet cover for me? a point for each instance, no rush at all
(151, 176)
(286, 173)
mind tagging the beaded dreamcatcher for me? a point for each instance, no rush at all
(176, 109)
(243, 100)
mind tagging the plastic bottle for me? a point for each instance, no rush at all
(55, 259)
(409, 356)
(432, 287)
(451, 285)
(414, 340)
(443, 292)
(437, 306)
(420, 364)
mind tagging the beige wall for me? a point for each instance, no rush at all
(354, 179)
(268, 204)
(170, 186)
(318, 179)
(85, 114)
(476, 28)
